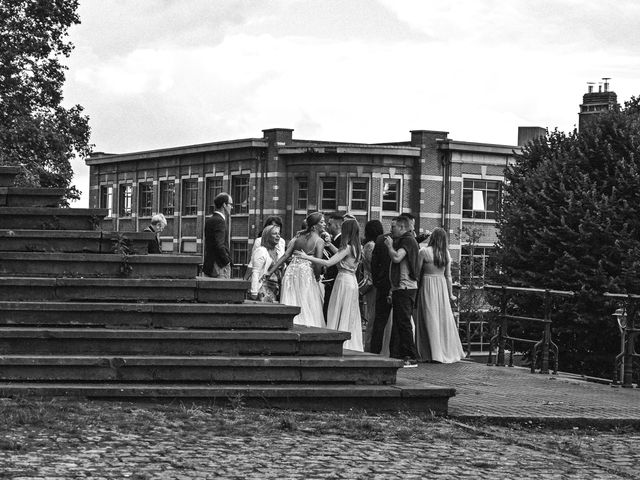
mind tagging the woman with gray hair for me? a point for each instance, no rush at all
(158, 224)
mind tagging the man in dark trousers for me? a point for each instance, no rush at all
(334, 228)
(217, 261)
(403, 276)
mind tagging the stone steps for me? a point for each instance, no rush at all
(250, 315)
(106, 265)
(7, 175)
(404, 395)
(356, 368)
(101, 341)
(45, 218)
(30, 197)
(71, 241)
(204, 290)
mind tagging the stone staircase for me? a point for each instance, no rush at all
(74, 322)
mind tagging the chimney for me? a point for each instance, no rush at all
(606, 83)
(526, 134)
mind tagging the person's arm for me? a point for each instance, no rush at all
(282, 259)
(321, 261)
(258, 259)
(447, 276)
(395, 255)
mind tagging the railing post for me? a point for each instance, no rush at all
(544, 368)
(629, 340)
(502, 328)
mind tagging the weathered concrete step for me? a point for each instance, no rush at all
(45, 218)
(403, 396)
(98, 341)
(8, 175)
(360, 369)
(203, 290)
(30, 197)
(71, 241)
(106, 265)
(250, 315)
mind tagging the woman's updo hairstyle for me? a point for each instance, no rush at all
(312, 220)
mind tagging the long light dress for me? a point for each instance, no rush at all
(437, 336)
(343, 312)
(301, 289)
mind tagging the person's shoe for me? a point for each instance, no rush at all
(410, 363)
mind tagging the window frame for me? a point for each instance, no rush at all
(299, 197)
(189, 196)
(331, 207)
(211, 191)
(489, 195)
(106, 198)
(352, 189)
(240, 203)
(398, 194)
(166, 207)
(145, 211)
(125, 200)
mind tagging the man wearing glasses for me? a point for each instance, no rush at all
(217, 261)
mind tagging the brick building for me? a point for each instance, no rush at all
(442, 182)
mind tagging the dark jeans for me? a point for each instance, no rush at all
(380, 320)
(328, 288)
(402, 344)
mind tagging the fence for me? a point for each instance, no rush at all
(627, 317)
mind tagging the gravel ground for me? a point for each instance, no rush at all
(66, 438)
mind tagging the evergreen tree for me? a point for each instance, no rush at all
(570, 220)
(36, 131)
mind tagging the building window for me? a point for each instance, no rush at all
(302, 193)
(167, 197)
(239, 257)
(145, 199)
(475, 263)
(124, 200)
(480, 198)
(391, 195)
(213, 187)
(359, 194)
(106, 199)
(240, 194)
(190, 196)
(328, 194)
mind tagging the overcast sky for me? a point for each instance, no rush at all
(162, 73)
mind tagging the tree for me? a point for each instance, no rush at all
(570, 220)
(36, 131)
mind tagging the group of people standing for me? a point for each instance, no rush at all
(329, 270)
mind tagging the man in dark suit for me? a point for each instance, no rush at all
(217, 260)
(334, 228)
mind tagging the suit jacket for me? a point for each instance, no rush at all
(331, 273)
(154, 245)
(216, 248)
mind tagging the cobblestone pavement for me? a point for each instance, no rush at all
(502, 392)
(119, 440)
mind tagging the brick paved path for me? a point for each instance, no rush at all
(451, 452)
(515, 393)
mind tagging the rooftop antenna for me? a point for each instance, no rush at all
(606, 83)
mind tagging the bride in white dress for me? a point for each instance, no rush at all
(300, 285)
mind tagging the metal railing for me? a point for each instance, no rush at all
(629, 325)
(543, 346)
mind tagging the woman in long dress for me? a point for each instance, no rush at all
(437, 337)
(343, 312)
(263, 288)
(300, 285)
